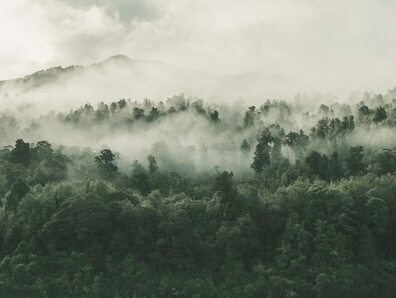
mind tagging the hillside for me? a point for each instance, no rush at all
(192, 199)
(122, 77)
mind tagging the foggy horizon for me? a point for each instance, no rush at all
(340, 47)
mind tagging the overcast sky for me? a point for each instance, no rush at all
(330, 44)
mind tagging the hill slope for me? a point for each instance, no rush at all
(122, 77)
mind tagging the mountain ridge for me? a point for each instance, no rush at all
(47, 74)
(120, 76)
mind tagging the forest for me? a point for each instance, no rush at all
(186, 198)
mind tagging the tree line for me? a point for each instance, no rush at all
(315, 217)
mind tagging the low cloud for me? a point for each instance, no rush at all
(340, 45)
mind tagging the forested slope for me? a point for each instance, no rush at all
(281, 201)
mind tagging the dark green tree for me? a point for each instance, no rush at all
(138, 113)
(154, 114)
(17, 191)
(261, 158)
(385, 162)
(21, 152)
(379, 115)
(224, 187)
(105, 162)
(214, 116)
(335, 166)
(140, 178)
(318, 164)
(223, 183)
(354, 161)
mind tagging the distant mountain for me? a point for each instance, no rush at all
(122, 77)
(40, 78)
(59, 73)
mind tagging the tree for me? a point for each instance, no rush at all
(140, 178)
(297, 141)
(245, 147)
(223, 185)
(138, 113)
(103, 112)
(198, 105)
(21, 152)
(113, 107)
(302, 139)
(214, 116)
(153, 166)
(354, 161)
(291, 139)
(88, 110)
(364, 113)
(18, 190)
(43, 150)
(250, 116)
(122, 104)
(318, 164)
(154, 114)
(261, 157)
(79, 224)
(44, 147)
(379, 115)
(295, 244)
(377, 216)
(335, 128)
(322, 128)
(385, 162)
(276, 154)
(335, 168)
(323, 109)
(105, 161)
(348, 123)
(172, 110)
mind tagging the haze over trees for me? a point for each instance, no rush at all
(276, 200)
(210, 148)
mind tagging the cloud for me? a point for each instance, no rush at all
(41, 33)
(337, 45)
(126, 10)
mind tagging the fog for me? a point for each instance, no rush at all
(314, 45)
(119, 77)
(197, 148)
(60, 55)
(188, 141)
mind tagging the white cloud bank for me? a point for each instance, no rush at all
(324, 45)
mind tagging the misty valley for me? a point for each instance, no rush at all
(184, 197)
(197, 149)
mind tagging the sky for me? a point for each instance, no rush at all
(326, 45)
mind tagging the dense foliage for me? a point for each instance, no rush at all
(314, 217)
